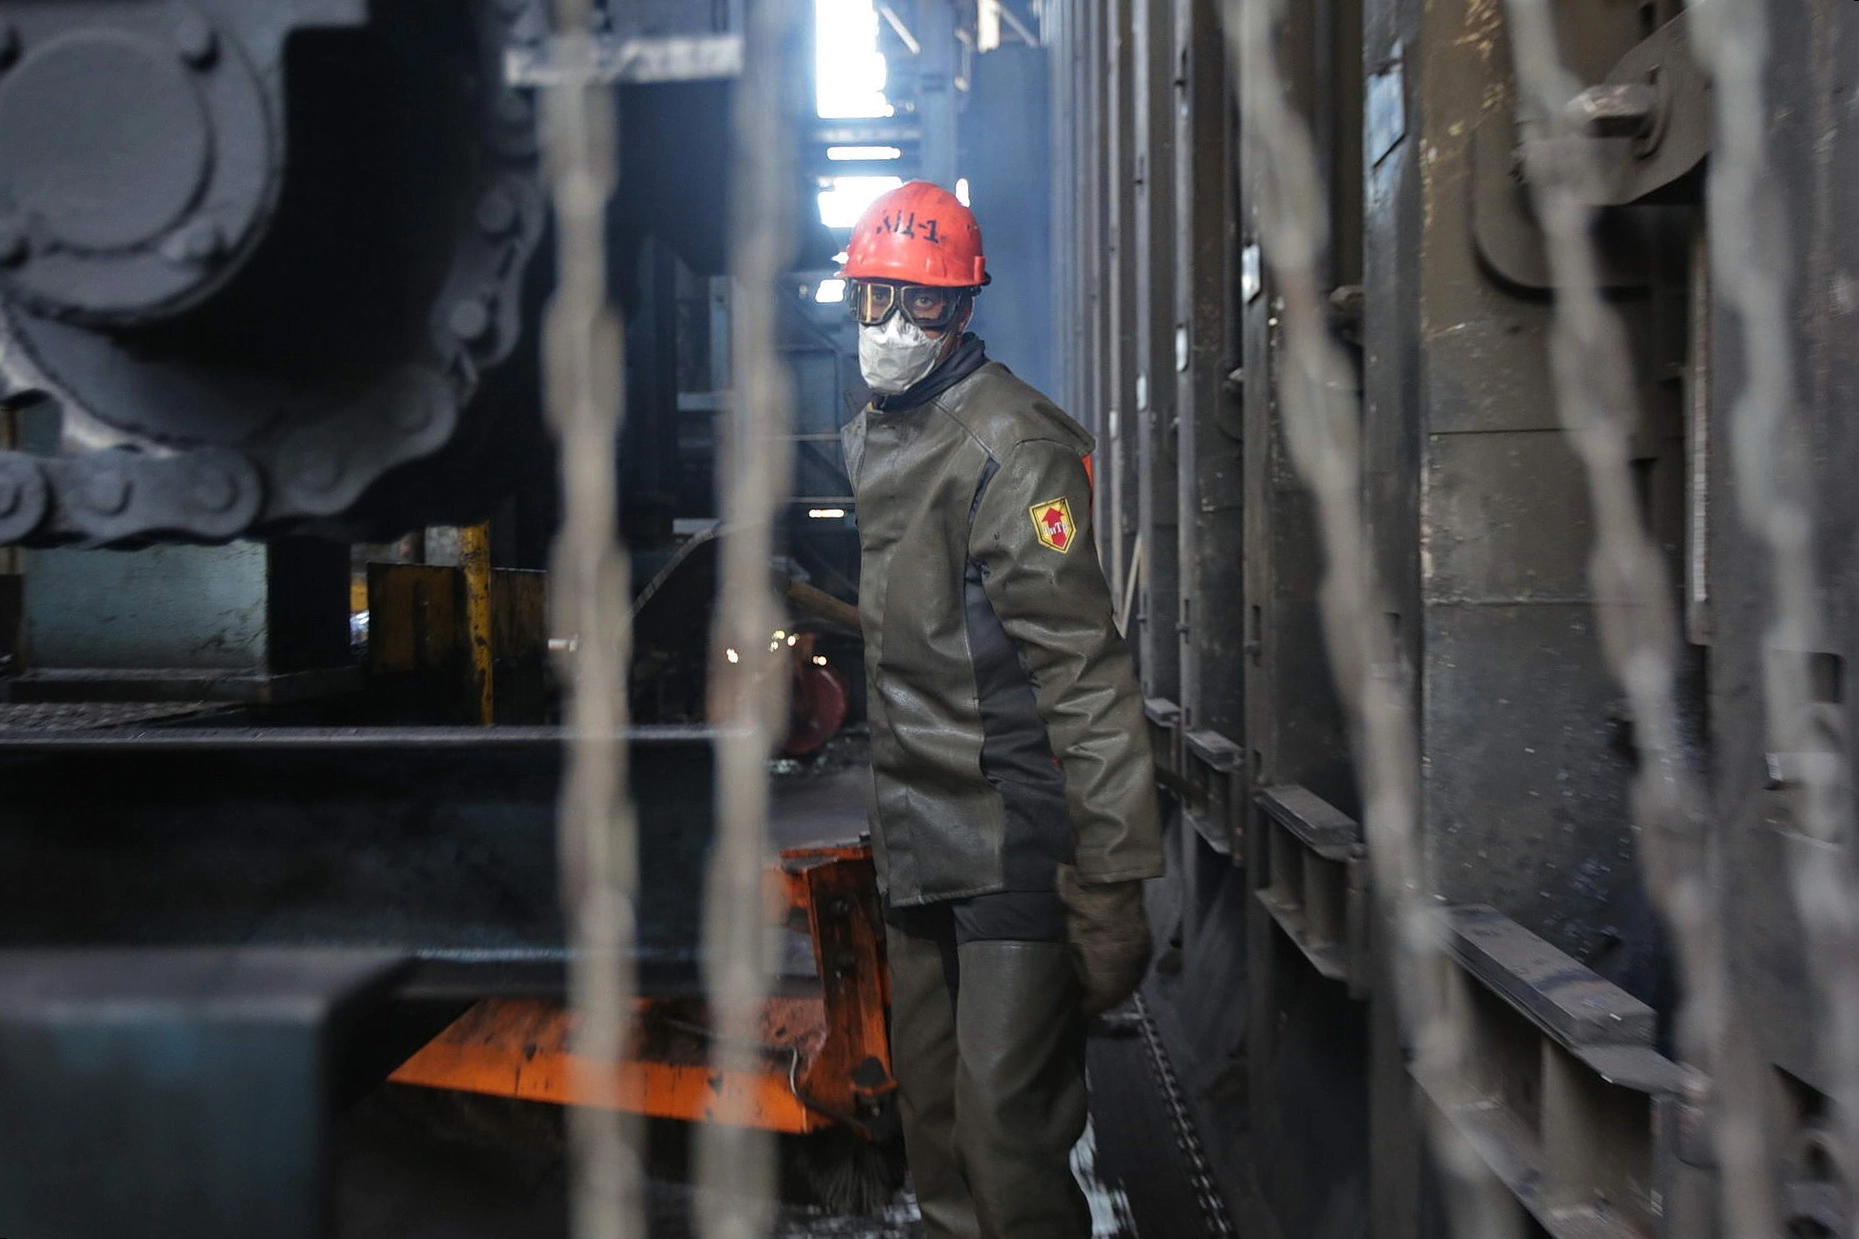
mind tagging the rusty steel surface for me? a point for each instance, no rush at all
(821, 1057)
(515, 1047)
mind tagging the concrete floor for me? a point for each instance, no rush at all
(823, 801)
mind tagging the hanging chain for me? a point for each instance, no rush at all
(749, 694)
(583, 367)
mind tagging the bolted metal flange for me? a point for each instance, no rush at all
(108, 201)
(196, 40)
(1615, 110)
(319, 458)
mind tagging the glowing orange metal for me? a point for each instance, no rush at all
(826, 1051)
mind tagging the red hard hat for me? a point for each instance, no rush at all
(918, 233)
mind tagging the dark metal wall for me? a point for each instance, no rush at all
(1772, 837)
(1479, 518)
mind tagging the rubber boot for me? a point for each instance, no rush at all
(988, 1051)
(1020, 1103)
(924, 1060)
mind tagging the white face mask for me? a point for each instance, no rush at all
(895, 354)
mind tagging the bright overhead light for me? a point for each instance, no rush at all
(961, 190)
(826, 514)
(987, 25)
(844, 154)
(830, 291)
(841, 206)
(849, 70)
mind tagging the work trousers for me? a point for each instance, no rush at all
(987, 1045)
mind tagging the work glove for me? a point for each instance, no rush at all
(1109, 936)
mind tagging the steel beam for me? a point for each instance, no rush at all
(936, 92)
(1307, 933)
(615, 60)
(436, 843)
(1093, 257)
(1481, 527)
(174, 1093)
(1117, 442)
(1205, 352)
(1158, 517)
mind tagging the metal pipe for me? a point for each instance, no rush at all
(818, 602)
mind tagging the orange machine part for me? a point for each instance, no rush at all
(825, 1052)
(518, 1047)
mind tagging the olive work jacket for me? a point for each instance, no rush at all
(1007, 729)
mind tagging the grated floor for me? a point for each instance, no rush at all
(34, 716)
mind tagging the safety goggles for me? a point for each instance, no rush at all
(873, 301)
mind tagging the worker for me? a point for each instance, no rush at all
(1014, 812)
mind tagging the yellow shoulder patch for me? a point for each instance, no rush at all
(1052, 522)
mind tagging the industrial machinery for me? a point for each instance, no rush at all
(281, 778)
(826, 1040)
(256, 257)
(1577, 274)
(1519, 700)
